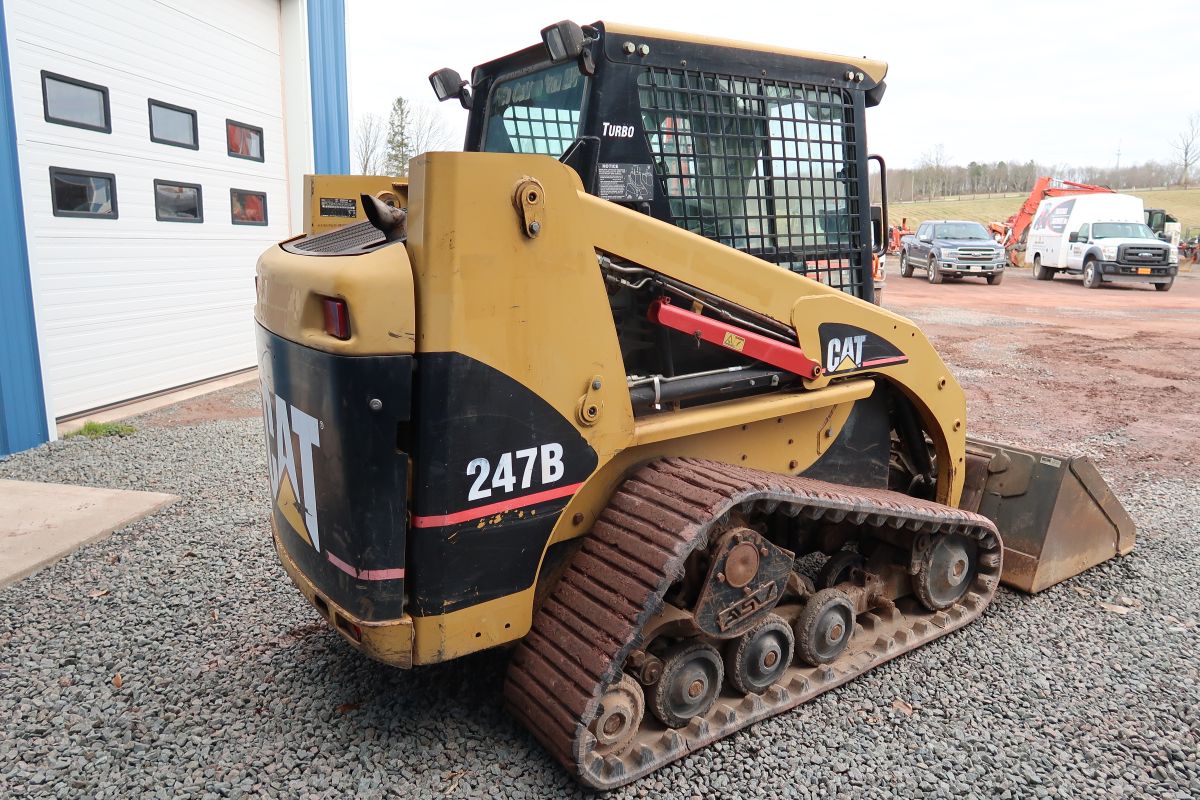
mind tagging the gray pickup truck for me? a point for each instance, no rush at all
(952, 248)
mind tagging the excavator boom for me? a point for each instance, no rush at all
(1015, 229)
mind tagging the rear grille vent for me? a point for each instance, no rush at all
(347, 241)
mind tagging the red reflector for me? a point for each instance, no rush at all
(337, 318)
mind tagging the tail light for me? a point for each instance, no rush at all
(337, 318)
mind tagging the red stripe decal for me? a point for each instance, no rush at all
(365, 574)
(878, 362)
(495, 508)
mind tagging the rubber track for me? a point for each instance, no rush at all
(636, 550)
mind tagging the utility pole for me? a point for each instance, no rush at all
(1118, 154)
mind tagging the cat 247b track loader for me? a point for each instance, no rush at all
(605, 387)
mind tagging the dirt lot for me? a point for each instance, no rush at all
(1045, 364)
(175, 659)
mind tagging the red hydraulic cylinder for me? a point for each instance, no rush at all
(748, 343)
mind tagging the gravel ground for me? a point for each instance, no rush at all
(176, 660)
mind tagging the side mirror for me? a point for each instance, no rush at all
(877, 238)
(1163, 235)
(1074, 237)
(447, 83)
(564, 40)
(879, 213)
(925, 237)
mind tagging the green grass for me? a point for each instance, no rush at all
(99, 430)
(1184, 204)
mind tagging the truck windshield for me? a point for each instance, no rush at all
(1122, 230)
(960, 230)
(537, 112)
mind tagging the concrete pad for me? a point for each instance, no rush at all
(42, 522)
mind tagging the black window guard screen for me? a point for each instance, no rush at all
(547, 131)
(767, 167)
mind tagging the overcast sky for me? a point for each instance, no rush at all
(1054, 81)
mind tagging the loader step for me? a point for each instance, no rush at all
(593, 619)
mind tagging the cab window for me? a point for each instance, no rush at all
(538, 112)
(1085, 232)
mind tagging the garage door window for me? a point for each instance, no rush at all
(178, 202)
(173, 125)
(248, 208)
(69, 101)
(75, 193)
(245, 141)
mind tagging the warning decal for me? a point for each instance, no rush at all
(338, 207)
(626, 182)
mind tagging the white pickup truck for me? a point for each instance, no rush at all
(1101, 237)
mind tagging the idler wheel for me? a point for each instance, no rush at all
(758, 658)
(622, 707)
(691, 680)
(946, 572)
(824, 627)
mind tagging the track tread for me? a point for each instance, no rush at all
(598, 591)
(637, 548)
(636, 565)
(619, 525)
(579, 603)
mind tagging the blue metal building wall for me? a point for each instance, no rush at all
(22, 402)
(330, 103)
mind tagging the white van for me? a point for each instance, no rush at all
(1102, 237)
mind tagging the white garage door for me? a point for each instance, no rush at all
(144, 205)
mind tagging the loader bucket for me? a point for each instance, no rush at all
(1056, 514)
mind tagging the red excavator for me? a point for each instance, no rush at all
(895, 233)
(1012, 232)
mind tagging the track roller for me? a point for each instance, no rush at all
(689, 684)
(758, 658)
(946, 570)
(824, 627)
(839, 568)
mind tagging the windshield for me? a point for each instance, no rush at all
(1122, 230)
(961, 230)
(537, 112)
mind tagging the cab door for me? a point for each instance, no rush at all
(1077, 248)
(918, 250)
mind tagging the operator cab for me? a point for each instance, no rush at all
(763, 150)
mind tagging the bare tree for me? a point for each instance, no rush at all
(927, 180)
(368, 145)
(411, 130)
(932, 171)
(429, 131)
(1187, 146)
